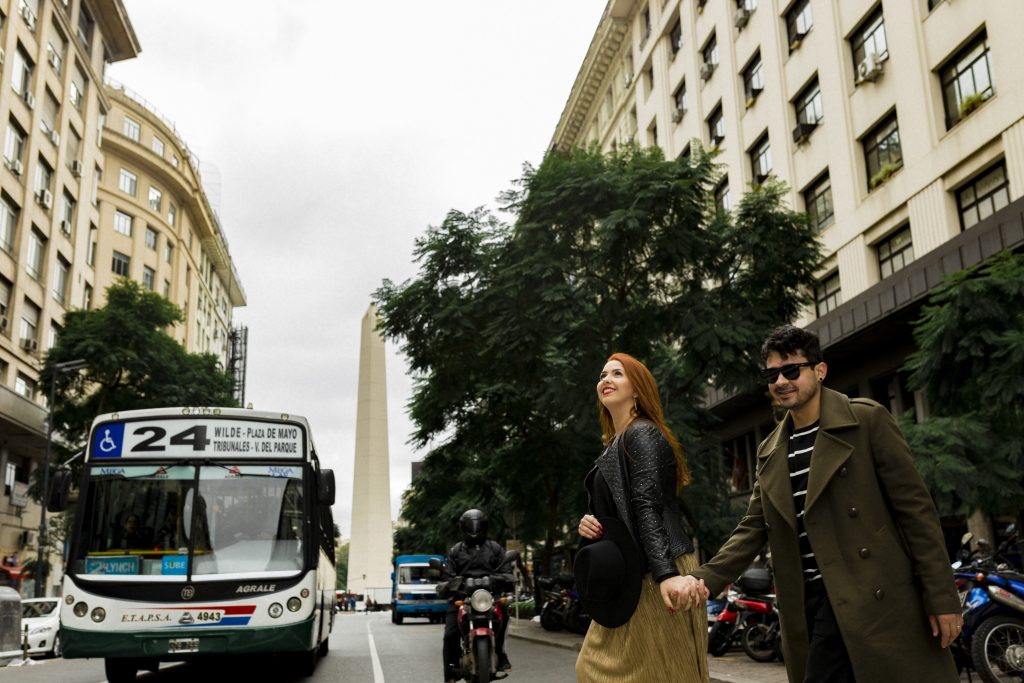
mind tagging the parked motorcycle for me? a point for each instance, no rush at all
(992, 597)
(478, 618)
(562, 607)
(747, 605)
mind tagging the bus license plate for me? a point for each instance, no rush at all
(183, 645)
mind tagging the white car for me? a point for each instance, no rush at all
(41, 616)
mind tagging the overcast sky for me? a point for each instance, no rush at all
(339, 131)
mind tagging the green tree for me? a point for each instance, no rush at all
(507, 325)
(970, 364)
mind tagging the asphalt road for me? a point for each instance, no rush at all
(364, 648)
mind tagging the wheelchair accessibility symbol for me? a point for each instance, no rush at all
(107, 441)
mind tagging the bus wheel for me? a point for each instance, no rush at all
(324, 647)
(305, 663)
(120, 670)
(396, 618)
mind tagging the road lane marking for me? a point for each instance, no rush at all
(378, 673)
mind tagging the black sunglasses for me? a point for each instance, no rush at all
(790, 371)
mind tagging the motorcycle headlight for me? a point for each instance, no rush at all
(481, 601)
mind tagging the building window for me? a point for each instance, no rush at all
(799, 21)
(60, 279)
(48, 116)
(67, 213)
(749, 5)
(722, 201)
(14, 148)
(168, 252)
(156, 199)
(649, 80)
(85, 25)
(172, 214)
(174, 161)
(808, 105)
(29, 328)
(8, 223)
(818, 200)
(121, 264)
(645, 26)
(882, 153)
(5, 298)
(679, 96)
(828, 295)
(167, 289)
(51, 338)
(128, 182)
(77, 88)
(983, 195)
(753, 79)
(151, 238)
(716, 126)
(710, 52)
(44, 177)
(148, 277)
(21, 75)
(97, 178)
(90, 254)
(761, 159)
(131, 129)
(675, 37)
(966, 80)
(26, 388)
(895, 252)
(869, 38)
(158, 146)
(122, 223)
(36, 254)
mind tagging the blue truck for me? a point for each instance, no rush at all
(414, 589)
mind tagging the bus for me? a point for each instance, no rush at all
(198, 532)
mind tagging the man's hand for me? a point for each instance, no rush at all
(683, 592)
(946, 625)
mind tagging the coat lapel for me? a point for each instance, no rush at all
(830, 452)
(773, 473)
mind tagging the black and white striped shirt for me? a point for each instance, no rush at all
(801, 445)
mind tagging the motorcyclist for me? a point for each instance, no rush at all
(473, 557)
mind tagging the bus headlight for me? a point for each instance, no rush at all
(99, 614)
(481, 601)
(81, 609)
(275, 610)
(294, 604)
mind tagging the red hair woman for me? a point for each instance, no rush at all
(635, 552)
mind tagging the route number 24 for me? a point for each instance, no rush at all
(193, 436)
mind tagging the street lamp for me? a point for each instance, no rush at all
(67, 366)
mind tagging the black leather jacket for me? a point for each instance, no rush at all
(464, 560)
(648, 504)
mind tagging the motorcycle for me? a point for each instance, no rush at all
(992, 597)
(762, 641)
(478, 618)
(562, 606)
(748, 605)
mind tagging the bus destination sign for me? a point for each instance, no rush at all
(196, 437)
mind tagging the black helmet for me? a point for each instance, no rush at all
(474, 526)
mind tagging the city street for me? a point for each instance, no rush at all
(364, 649)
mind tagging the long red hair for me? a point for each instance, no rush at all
(648, 407)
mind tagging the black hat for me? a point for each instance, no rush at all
(608, 574)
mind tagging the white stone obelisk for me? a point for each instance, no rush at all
(370, 548)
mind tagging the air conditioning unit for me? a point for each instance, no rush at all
(677, 115)
(16, 167)
(706, 70)
(869, 69)
(53, 57)
(803, 130)
(65, 227)
(742, 17)
(55, 137)
(45, 198)
(30, 19)
(76, 168)
(27, 537)
(30, 345)
(30, 99)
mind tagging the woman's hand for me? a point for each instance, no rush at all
(590, 527)
(683, 592)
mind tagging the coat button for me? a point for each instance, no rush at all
(879, 594)
(864, 552)
(853, 512)
(842, 471)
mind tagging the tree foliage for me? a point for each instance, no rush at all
(506, 327)
(970, 364)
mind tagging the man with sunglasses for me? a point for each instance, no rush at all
(864, 584)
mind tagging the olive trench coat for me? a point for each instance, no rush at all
(876, 537)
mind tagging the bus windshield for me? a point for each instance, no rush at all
(415, 574)
(152, 521)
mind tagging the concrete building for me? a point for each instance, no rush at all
(71, 148)
(897, 125)
(371, 548)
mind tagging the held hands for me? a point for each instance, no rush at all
(683, 592)
(590, 527)
(946, 625)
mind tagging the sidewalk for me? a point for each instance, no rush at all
(734, 667)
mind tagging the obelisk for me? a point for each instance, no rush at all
(370, 548)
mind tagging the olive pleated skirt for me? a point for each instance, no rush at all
(654, 646)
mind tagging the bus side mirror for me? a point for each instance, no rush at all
(326, 484)
(60, 489)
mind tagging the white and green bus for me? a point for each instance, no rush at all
(198, 532)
